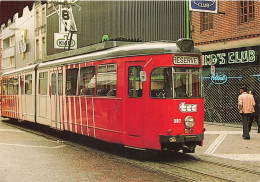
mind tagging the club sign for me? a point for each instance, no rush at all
(210, 6)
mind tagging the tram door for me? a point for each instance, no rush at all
(56, 99)
(134, 105)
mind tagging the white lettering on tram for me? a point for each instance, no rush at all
(186, 60)
(187, 107)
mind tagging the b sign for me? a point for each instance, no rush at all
(209, 6)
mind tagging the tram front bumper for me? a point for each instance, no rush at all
(181, 138)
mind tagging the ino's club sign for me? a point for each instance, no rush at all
(209, 6)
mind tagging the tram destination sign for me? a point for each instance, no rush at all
(186, 60)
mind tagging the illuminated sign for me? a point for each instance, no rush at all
(210, 6)
(186, 60)
(231, 56)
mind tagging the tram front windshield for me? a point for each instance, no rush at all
(168, 83)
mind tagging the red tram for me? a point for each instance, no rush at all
(141, 95)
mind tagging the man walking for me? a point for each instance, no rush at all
(246, 104)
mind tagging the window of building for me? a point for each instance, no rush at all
(43, 47)
(107, 80)
(206, 21)
(37, 49)
(87, 80)
(28, 84)
(135, 85)
(43, 83)
(12, 61)
(246, 10)
(71, 81)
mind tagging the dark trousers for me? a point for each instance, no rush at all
(251, 119)
(245, 120)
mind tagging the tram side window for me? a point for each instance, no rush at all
(53, 84)
(161, 83)
(5, 86)
(22, 85)
(87, 80)
(43, 83)
(135, 85)
(71, 81)
(16, 86)
(28, 84)
(107, 80)
(60, 84)
(10, 86)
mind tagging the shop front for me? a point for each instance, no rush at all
(233, 69)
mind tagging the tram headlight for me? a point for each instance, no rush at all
(189, 122)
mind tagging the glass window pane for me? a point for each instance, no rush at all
(107, 81)
(43, 83)
(53, 84)
(135, 85)
(28, 84)
(10, 86)
(16, 86)
(5, 86)
(87, 80)
(71, 81)
(22, 84)
(161, 83)
(60, 84)
(187, 83)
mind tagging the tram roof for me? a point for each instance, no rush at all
(114, 49)
(107, 50)
(20, 70)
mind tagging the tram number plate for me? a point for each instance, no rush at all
(190, 138)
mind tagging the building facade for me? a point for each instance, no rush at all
(18, 41)
(229, 40)
(40, 31)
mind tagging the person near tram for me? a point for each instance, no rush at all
(255, 116)
(246, 104)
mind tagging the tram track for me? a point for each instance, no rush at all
(243, 169)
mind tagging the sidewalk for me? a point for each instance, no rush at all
(225, 140)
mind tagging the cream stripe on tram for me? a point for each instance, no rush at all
(86, 101)
(70, 118)
(93, 108)
(75, 114)
(80, 113)
(64, 99)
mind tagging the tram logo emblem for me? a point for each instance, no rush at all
(188, 107)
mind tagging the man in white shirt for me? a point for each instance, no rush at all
(246, 104)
